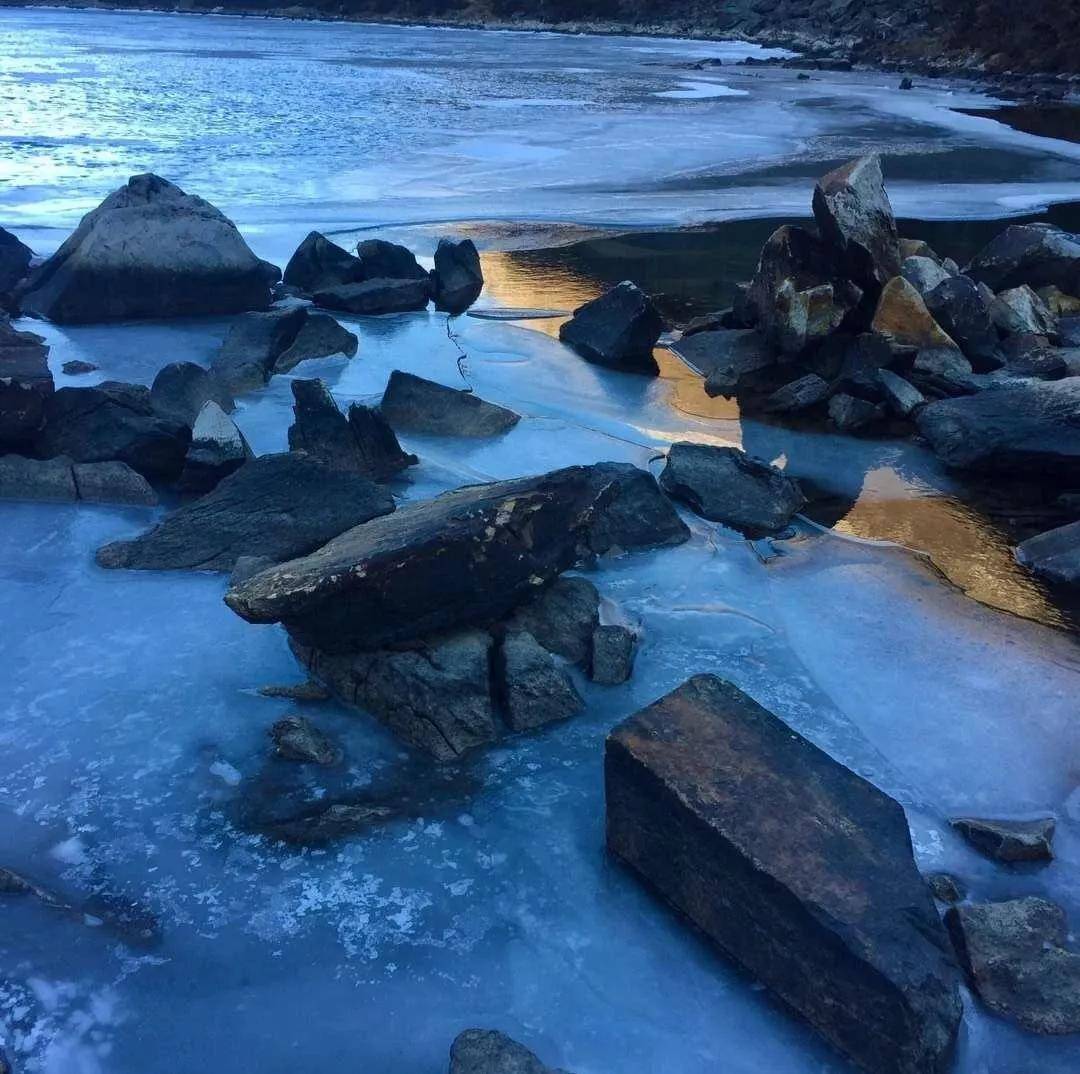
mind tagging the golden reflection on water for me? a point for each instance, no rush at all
(969, 550)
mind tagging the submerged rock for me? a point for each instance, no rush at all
(26, 384)
(726, 485)
(904, 322)
(376, 296)
(181, 389)
(298, 739)
(1054, 555)
(469, 556)
(562, 617)
(149, 250)
(319, 263)
(300, 691)
(417, 405)
(843, 929)
(534, 691)
(612, 654)
(77, 367)
(362, 442)
(1033, 428)
(1008, 840)
(218, 448)
(1038, 255)
(854, 215)
(111, 482)
(487, 1051)
(278, 506)
(113, 421)
(326, 824)
(946, 888)
(1016, 961)
(458, 279)
(619, 329)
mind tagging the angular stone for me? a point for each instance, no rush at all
(181, 389)
(849, 413)
(562, 617)
(435, 697)
(487, 1051)
(149, 250)
(278, 506)
(1008, 840)
(923, 274)
(298, 739)
(112, 482)
(730, 360)
(534, 691)
(612, 654)
(376, 296)
(901, 397)
(1059, 303)
(388, 260)
(1054, 555)
(1035, 254)
(417, 405)
(854, 215)
(253, 346)
(320, 336)
(946, 888)
(319, 263)
(800, 394)
(218, 448)
(1016, 961)
(1029, 355)
(619, 329)
(943, 370)
(728, 486)
(1020, 310)
(362, 442)
(25, 386)
(797, 868)
(963, 313)
(467, 557)
(902, 319)
(458, 278)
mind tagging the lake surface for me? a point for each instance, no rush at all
(131, 727)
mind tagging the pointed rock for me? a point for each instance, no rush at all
(320, 336)
(413, 404)
(1021, 311)
(458, 279)
(562, 618)
(15, 258)
(960, 308)
(319, 263)
(1054, 555)
(904, 322)
(26, 384)
(487, 1051)
(218, 448)
(388, 260)
(619, 329)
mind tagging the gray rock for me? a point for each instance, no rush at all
(726, 485)
(436, 696)
(923, 274)
(1020, 310)
(15, 258)
(149, 250)
(961, 309)
(181, 389)
(801, 394)
(562, 617)
(487, 1051)
(458, 279)
(1016, 961)
(300, 691)
(1054, 555)
(534, 691)
(320, 336)
(247, 567)
(255, 342)
(946, 888)
(849, 413)
(278, 506)
(854, 215)
(326, 824)
(111, 482)
(1008, 840)
(1033, 428)
(1028, 355)
(298, 739)
(376, 296)
(218, 448)
(730, 360)
(319, 263)
(362, 442)
(388, 260)
(459, 559)
(113, 421)
(77, 367)
(1034, 254)
(417, 405)
(944, 370)
(612, 654)
(619, 329)
(901, 397)
(60, 480)
(825, 908)
(25, 386)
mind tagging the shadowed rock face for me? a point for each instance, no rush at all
(15, 258)
(618, 329)
(375, 296)
(319, 263)
(797, 868)
(903, 320)
(149, 250)
(1008, 840)
(458, 279)
(418, 405)
(464, 558)
(181, 389)
(25, 386)
(1038, 255)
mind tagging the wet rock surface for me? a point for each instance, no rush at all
(534, 691)
(1008, 840)
(563, 617)
(1054, 555)
(296, 738)
(487, 1051)
(845, 931)
(376, 296)
(413, 404)
(612, 654)
(619, 329)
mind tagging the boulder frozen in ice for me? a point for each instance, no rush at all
(457, 279)
(413, 404)
(619, 329)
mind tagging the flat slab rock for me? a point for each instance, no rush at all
(413, 404)
(1009, 840)
(278, 506)
(799, 870)
(487, 1051)
(726, 485)
(1054, 555)
(467, 557)
(61, 480)
(1015, 957)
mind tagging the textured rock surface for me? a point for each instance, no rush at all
(619, 329)
(149, 250)
(458, 279)
(318, 263)
(1054, 555)
(1008, 840)
(217, 449)
(612, 654)
(376, 296)
(729, 359)
(963, 313)
(15, 258)
(801, 394)
(1034, 254)
(534, 691)
(296, 738)
(1020, 310)
(253, 346)
(487, 1051)
(276, 506)
(902, 319)
(181, 389)
(61, 480)
(826, 907)
(388, 260)
(320, 336)
(901, 397)
(414, 404)
(923, 273)
(562, 617)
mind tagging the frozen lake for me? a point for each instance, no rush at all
(131, 727)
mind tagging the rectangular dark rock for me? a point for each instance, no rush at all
(797, 868)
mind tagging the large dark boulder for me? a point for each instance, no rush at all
(362, 442)
(181, 389)
(413, 404)
(319, 263)
(619, 329)
(797, 868)
(1016, 959)
(217, 449)
(277, 506)
(26, 385)
(854, 215)
(801, 394)
(15, 258)
(487, 1051)
(963, 313)
(1038, 255)
(376, 296)
(724, 484)
(1054, 555)
(465, 558)
(111, 421)
(458, 278)
(149, 250)
(1033, 428)
(249, 353)
(388, 260)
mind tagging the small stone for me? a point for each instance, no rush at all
(562, 618)
(612, 654)
(946, 888)
(534, 690)
(77, 366)
(300, 691)
(1009, 840)
(619, 329)
(297, 739)
(417, 405)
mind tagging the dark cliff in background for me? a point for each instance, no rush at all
(993, 35)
